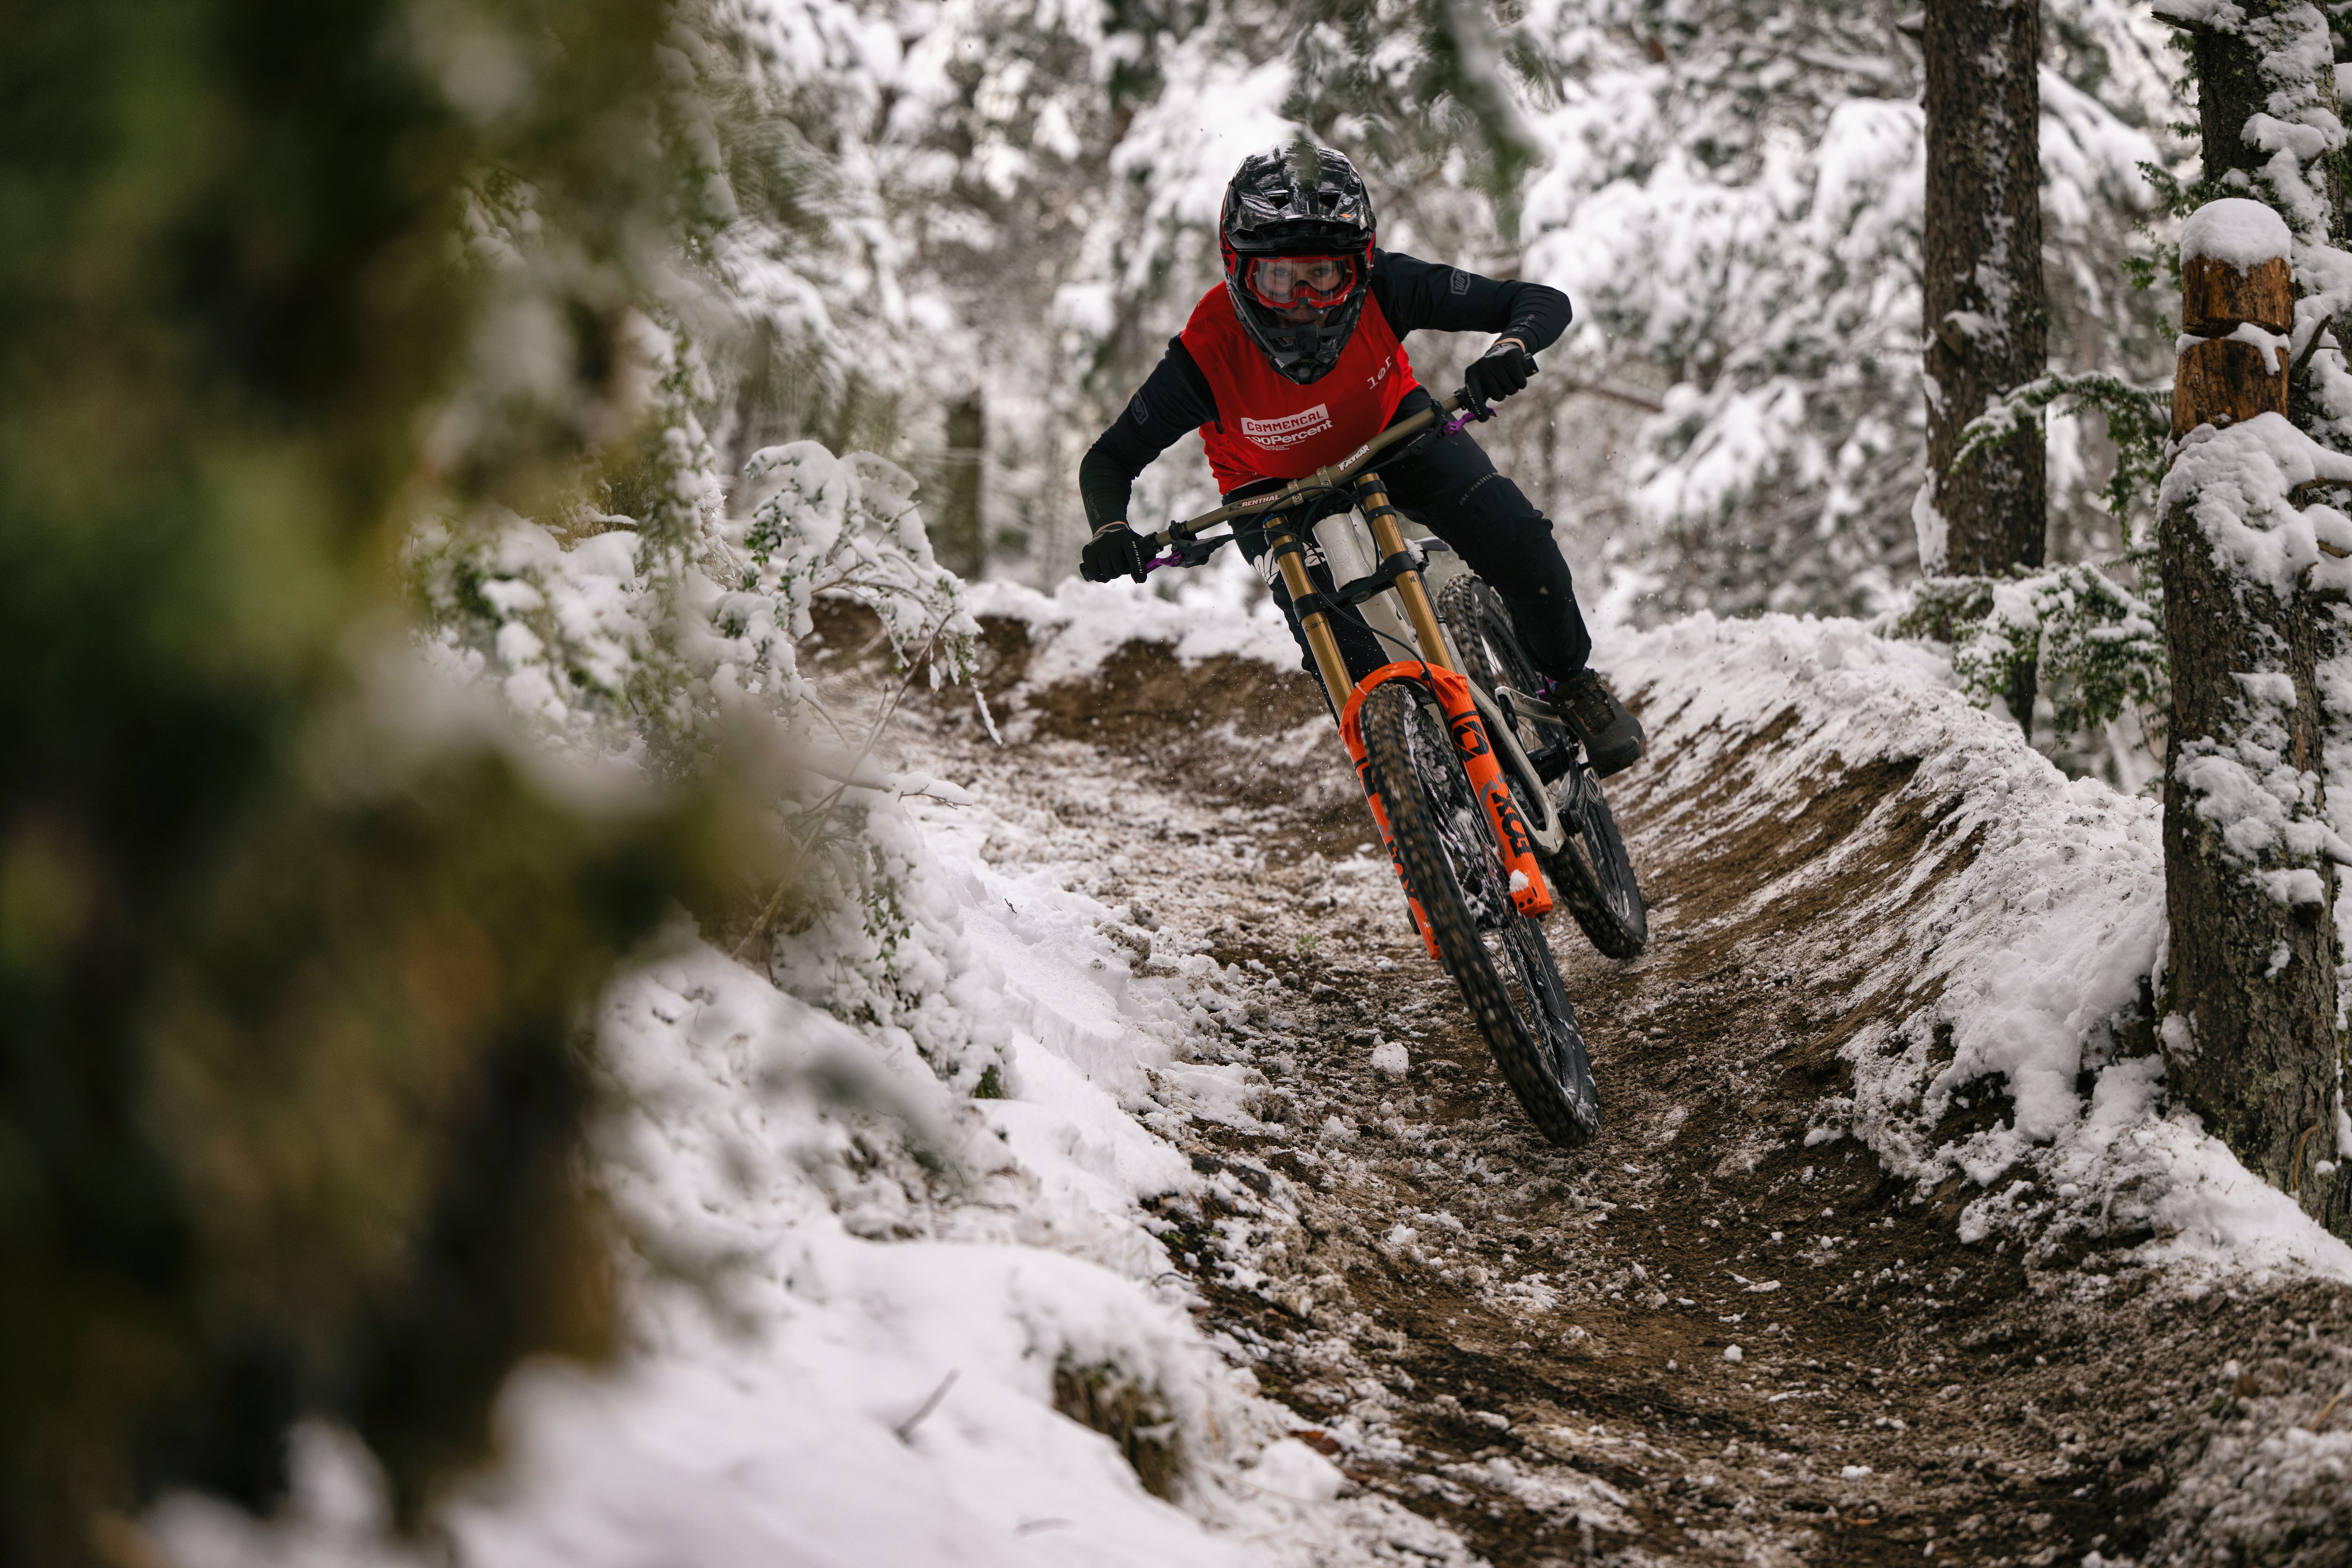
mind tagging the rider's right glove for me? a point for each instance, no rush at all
(1498, 373)
(1115, 551)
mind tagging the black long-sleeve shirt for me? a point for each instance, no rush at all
(1410, 293)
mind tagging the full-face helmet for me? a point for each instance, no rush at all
(1297, 233)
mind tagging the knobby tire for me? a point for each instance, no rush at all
(1497, 956)
(1590, 873)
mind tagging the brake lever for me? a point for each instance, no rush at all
(1186, 551)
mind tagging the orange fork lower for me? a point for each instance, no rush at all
(1529, 893)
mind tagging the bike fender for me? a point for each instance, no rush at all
(1551, 832)
(1456, 700)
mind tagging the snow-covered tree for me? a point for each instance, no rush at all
(1985, 324)
(2261, 648)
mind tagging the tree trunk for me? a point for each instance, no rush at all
(2229, 91)
(2232, 87)
(2250, 987)
(2250, 995)
(2221, 383)
(2250, 983)
(1986, 317)
(957, 533)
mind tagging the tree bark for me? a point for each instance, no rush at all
(2229, 91)
(2221, 383)
(2250, 976)
(2250, 984)
(2216, 298)
(957, 534)
(1987, 321)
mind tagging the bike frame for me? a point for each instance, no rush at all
(1476, 727)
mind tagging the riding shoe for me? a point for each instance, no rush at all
(1612, 738)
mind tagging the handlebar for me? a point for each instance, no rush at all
(1181, 544)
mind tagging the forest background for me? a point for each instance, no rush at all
(1022, 210)
(308, 309)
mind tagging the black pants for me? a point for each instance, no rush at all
(1451, 488)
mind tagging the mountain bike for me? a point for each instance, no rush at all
(1479, 789)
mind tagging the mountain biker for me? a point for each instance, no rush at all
(1298, 357)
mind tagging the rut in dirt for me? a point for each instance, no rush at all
(1719, 1332)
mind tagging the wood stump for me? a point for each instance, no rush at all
(2223, 379)
(2216, 298)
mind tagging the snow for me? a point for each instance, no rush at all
(2237, 483)
(2276, 347)
(1933, 530)
(1292, 1469)
(836, 1358)
(1080, 625)
(2030, 949)
(2235, 229)
(2199, 13)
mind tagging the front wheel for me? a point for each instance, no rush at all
(1497, 956)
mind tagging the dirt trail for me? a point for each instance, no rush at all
(1702, 1339)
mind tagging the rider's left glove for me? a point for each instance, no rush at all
(1498, 373)
(1115, 551)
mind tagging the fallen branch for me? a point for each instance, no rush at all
(905, 1429)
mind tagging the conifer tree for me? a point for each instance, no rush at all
(2251, 992)
(1985, 319)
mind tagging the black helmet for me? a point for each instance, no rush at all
(1305, 204)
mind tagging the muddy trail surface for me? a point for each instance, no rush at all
(1719, 1333)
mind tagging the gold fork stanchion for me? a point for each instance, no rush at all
(1388, 537)
(1284, 544)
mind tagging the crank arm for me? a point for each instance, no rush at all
(1530, 707)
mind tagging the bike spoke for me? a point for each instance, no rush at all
(1462, 823)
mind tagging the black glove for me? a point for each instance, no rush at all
(1115, 552)
(1496, 373)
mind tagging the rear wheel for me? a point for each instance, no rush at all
(1497, 956)
(1590, 872)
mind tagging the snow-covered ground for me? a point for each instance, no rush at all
(867, 1307)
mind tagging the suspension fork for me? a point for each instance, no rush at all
(1289, 553)
(1388, 539)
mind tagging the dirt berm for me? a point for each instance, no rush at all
(1727, 1330)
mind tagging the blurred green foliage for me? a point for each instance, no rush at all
(293, 975)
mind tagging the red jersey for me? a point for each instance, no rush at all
(1270, 427)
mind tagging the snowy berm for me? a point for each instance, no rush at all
(1891, 1247)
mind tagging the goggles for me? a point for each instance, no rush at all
(1319, 282)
